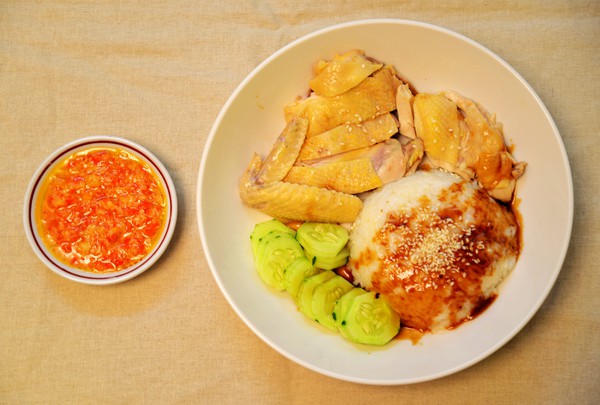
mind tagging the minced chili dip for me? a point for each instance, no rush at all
(101, 210)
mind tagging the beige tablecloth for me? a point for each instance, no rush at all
(158, 73)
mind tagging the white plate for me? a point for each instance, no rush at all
(84, 277)
(432, 59)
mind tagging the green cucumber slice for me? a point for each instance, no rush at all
(330, 263)
(295, 273)
(307, 289)
(343, 304)
(279, 251)
(264, 241)
(264, 228)
(322, 239)
(370, 320)
(325, 297)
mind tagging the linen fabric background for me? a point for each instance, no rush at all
(158, 72)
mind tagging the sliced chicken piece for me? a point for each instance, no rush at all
(349, 176)
(404, 100)
(342, 73)
(461, 137)
(299, 202)
(348, 137)
(391, 160)
(284, 152)
(374, 96)
(437, 124)
(415, 151)
(485, 151)
(261, 187)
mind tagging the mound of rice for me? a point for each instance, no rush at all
(436, 246)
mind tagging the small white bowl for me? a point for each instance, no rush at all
(432, 59)
(85, 277)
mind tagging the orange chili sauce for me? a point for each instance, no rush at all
(101, 210)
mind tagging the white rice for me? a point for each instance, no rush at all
(376, 267)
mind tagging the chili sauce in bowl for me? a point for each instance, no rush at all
(100, 210)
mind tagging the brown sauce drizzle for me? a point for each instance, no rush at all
(410, 334)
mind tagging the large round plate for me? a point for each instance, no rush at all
(432, 59)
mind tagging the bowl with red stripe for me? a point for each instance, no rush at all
(100, 210)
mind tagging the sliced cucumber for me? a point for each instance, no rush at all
(264, 228)
(343, 304)
(330, 263)
(370, 320)
(264, 241)
(307, 288)
(322, 239)
(295, 273)
(277, 254)
(325, 297)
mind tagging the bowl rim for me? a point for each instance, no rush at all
(376, 21)
(84, 277)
